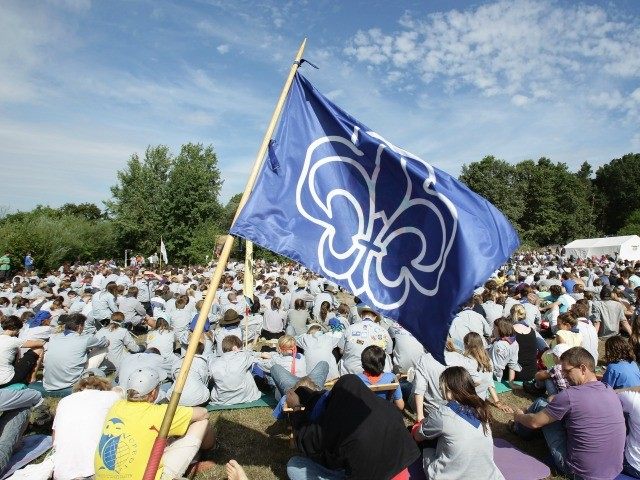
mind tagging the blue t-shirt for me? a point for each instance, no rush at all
(568, 285)
(622, 374)
(386, 377)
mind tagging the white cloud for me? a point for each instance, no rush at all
(524, 49)
(222, 49)
(520, 100)
(73, 5)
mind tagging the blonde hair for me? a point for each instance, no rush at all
(517, 313)
(286, 343)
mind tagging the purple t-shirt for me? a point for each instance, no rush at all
(596, 433)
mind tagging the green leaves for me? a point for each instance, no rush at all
(547, 203)
(169, 196)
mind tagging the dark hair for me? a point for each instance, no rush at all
(373, 359)
(276, 303)
(324, 310)
(11, 323)
(299, 304)
(72, 321)
(577, 356)
(457, 382)
(605, 293)
(617, 348)
(556, 290)
(132, 292)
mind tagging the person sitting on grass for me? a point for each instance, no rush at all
(504, 351)
(552, 380)
(475, 351)
(69, 354)
(357, 435)
(121, 342)
(16, 368)
(583, 425)
(196, 389)
(15, 409)
(622, 370)
(131, 427)
(462, 428)
(78, 424)
(373, 360)
(318, 347)
(286, 356)
(231, 374)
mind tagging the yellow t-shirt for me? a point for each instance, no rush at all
(128, 435)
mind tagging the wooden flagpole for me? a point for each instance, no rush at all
(161, 440)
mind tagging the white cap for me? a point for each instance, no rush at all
(143, 380)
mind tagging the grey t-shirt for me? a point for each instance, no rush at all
(66, 357)
(463, 450)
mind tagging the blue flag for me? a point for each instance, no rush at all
(408, 239)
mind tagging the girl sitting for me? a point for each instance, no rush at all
(504, 350)
(622, 369)
(462, 430)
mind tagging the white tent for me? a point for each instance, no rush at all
(624, 248)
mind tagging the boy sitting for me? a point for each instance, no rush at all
(231, 374)
(373, 360)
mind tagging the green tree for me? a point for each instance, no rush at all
(632, 225)
(229, 211)
(89, 211)
(496, 180)
(139, 203)
(193, 189)
(617, 184)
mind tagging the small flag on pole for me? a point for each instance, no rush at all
(248, 271)
(163, 252)
(408, 239)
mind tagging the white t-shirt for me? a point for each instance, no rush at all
(631, 405)
(8, 349)
(78, 426)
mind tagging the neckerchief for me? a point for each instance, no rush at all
(464, 412)
(509, 340)
(372, 378)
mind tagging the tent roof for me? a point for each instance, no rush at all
(602, 242)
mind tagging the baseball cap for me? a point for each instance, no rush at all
(143, 380)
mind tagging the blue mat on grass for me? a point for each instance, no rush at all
(32, 447)
(51, 393)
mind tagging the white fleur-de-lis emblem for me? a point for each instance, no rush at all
(385, 229)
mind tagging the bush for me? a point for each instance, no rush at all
(55, 239)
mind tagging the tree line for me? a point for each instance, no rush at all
(177, 196)
(549, 204)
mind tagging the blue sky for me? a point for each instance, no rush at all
(84, 84)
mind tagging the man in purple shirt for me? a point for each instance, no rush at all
(589, 442)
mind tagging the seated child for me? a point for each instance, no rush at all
(504, 350)
(231, 374)
(568, 330)
(552, 379)
(286, 356)
(196, 389)
(229, 325)
(373, 360)
(121, 342)
(622, 369)
(318, 347)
